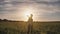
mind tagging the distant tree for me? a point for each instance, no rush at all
(5, 20)
(0, 19)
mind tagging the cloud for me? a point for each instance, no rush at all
(46, 9)
(46, 0)
(1, 0)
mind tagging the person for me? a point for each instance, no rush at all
(30, 25)
(30, 18)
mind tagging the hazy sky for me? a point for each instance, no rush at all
(43, 10)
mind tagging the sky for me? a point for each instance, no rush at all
(42, 10)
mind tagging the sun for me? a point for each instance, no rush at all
(27, 13)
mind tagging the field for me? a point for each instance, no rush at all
(21, 27)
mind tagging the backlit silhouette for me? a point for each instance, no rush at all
(30, 25)
(30, 18)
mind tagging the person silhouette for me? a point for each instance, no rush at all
(30, 25)
(30, 18)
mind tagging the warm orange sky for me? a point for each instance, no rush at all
(42, 10)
